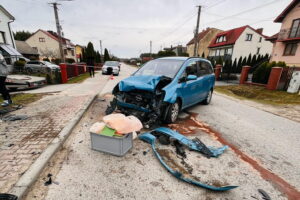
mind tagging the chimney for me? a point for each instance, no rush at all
(259, 30)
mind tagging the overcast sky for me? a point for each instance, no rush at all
(127, 26)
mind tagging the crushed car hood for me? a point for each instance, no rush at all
(147, 83)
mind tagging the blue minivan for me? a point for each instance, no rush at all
(164, 86)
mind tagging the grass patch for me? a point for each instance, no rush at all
(24, 99)
(259, 94)
(80, 78)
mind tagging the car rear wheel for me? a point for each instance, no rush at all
(207, 100)
(173, 112)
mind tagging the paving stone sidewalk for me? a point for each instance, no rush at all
(22, 141)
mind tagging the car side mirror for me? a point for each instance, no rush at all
(191, 77)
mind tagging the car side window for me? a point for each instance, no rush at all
(204, 68)
(191, 69)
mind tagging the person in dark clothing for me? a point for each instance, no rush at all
(3, 90)
(91, 66)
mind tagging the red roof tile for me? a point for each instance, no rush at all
(232, 35)
(200, 36)
(286, 10)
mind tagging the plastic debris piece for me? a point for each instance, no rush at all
(14, 117)
(264, 194)
(97, 127)
(195, 144)
(151, 139)
(108, 131)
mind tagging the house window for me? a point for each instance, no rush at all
(72, 52)
(290, 49)
(65, 51)
(42, 39)
(248, 37)
(218, 52)
(260, 39)
(2, 37)
(221, 39)
(258, 50)
(295, 30)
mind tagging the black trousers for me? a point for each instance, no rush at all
(3, 90)
(92, 71)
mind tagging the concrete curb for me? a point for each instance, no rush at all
(30, 176)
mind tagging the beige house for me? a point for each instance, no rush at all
(286, 44)
(47, 45)
(204, 39)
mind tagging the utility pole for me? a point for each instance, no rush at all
(101, 47)
(150, 48)
(58, 29)
(196, 32)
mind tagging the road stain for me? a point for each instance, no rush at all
(184, 126)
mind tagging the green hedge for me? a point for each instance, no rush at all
(262, 73)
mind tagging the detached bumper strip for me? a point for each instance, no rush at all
(132, 106)
(151, 139)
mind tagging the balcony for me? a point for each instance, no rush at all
(290, 34)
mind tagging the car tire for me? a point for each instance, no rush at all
(173, 113)
(207, 100)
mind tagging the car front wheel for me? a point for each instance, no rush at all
(173, 112)
(208, 98)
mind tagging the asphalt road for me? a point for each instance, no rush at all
(260, 142)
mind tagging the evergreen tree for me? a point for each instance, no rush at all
(83, 55)
(98, 57)
(244, 62)
(90, 52)
(220, 61)
(239, 63)
(248, 62)
(22, 35)
(254, 60)
(106, 55)
(258, 58)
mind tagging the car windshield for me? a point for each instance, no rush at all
(167, 68)
(48, 63)
(111, 63)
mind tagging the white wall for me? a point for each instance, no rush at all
(244, 48)
(4, 28)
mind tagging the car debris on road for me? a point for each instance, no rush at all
(169, 164)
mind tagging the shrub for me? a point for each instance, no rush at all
(70, 60)
(57, 77)
(56, 61)
(262, 73)
(19, 65)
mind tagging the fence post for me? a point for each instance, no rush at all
(244, 74)
(274, 78)
(75, 67)
(218, 71)
(63, 70)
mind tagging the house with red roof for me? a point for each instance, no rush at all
(286, 43)
(47, 45)
(204, 39)
(239, 42)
